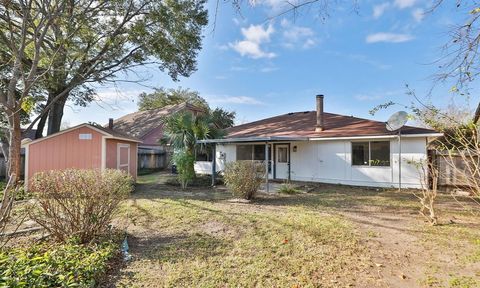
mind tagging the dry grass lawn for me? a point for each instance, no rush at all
(332, 236)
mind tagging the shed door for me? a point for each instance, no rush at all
(123, 157)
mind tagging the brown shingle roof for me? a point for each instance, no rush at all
(116, 133)
(302, 124)
(140, 123)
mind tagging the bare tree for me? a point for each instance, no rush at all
(459, 154)
(429, 175)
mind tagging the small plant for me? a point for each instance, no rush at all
(185, 167)
(66, 265)
(288, 188)
(78, 203)
(244, 178)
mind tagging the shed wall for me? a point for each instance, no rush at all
(66, 151)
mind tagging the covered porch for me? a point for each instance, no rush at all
(274, 151)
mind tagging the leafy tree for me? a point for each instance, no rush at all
(162, 97)
(222, 119)
(90, 42)
(60, 47)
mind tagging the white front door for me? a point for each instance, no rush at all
(281, 161)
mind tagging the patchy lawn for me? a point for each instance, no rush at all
(333, 236)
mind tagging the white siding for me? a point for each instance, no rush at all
(330, 162)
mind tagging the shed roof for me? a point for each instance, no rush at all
(140, 123)
(302, 124)
(105, 131)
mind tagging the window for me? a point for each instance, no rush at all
(204, 154)
(244, 152)
(360, 153)
(254, 152)
(86, 136)
(373, 153)
(282, 155)
(379, 153)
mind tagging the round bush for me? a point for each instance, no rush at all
(244, 178)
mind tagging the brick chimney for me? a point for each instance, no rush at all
(319, 127)
(110, 123)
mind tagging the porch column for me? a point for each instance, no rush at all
(214, 163)
(266, 167)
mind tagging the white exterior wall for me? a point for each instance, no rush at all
(330, 162)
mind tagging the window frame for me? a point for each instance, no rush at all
(370, 154)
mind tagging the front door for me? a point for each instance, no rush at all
(123, 157)
(281, 161)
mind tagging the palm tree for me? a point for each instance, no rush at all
(182, 130)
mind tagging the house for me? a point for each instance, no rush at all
(30, 134)
(326, 147)
(85, 146)
(147, 126)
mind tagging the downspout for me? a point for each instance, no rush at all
(214, 163)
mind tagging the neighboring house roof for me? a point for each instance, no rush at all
(105, 131)
(30, 134)
(141, 123)
(302, 124)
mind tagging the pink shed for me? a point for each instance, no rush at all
(84, 146)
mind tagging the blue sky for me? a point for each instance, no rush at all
(260, 68)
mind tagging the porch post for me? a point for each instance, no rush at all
(266, 167)
(214, 163)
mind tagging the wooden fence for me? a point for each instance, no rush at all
(152, 159)
(452, 170)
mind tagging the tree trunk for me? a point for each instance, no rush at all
(55, 115)
(15, 142)
(41, 126)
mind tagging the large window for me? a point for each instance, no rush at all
(372, 153)
(252, 152)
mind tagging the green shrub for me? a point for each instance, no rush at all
(185, 167)
(244, 178)
(66, 265)
(288, 188)
(78, 203)
(21, 194)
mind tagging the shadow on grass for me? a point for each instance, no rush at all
(177, 248)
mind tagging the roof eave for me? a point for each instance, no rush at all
(253, 139)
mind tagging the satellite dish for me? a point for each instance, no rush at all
(397, 120)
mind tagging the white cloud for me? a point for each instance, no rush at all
(368, 97)
(379, 9)
(268, 69)
(377, 95)
(418, 14)
(273, 4)
(228, 99)
(255, 36)
(297, 36)
(402, 4)
(388, 37)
